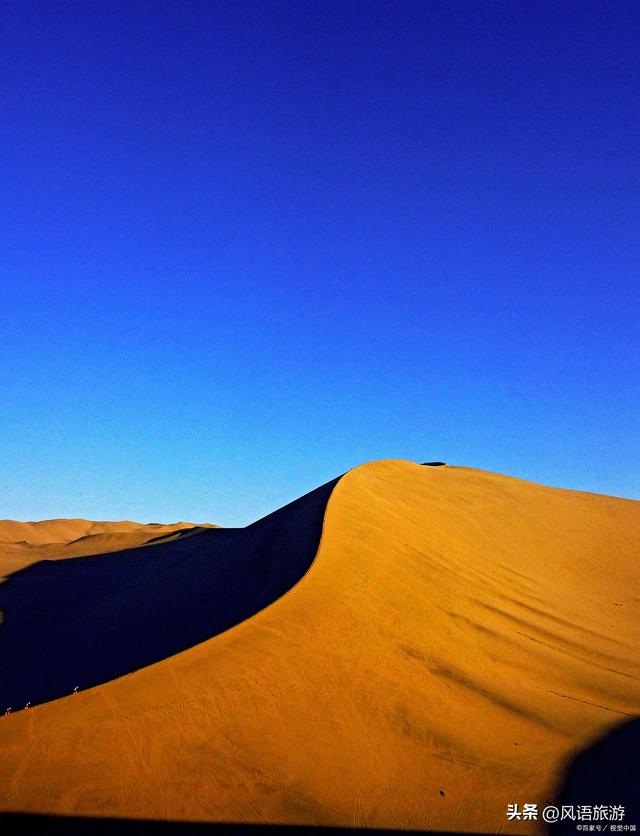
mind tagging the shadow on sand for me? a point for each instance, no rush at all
(84, 621)
(608, 773)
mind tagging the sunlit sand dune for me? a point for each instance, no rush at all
(24, 543)
(459, 637)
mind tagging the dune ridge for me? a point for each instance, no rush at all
(459, 637)
(84, 621)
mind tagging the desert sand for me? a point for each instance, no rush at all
(79, 623)
(459, 637)
(24, 543)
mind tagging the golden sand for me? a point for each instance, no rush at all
(24, 543)
(458, 638)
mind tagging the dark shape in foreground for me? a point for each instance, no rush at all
(25, 824)
(434, 464)
(606, 773)
(84, 621)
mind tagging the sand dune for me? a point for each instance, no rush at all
(83, 622)
(459, 637)
(46, 532)
(24, 543)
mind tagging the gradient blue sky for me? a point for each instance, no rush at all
(249, 245)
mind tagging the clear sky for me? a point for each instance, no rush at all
(248, 245)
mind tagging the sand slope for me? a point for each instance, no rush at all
(80, 623)
(458, 638)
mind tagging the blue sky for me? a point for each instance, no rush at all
(247, 246)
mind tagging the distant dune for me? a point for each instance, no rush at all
(458, 644)
(23, 543)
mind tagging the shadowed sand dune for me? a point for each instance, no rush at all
(460, 637)
(82, 622)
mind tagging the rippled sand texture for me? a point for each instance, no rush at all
(458, 638)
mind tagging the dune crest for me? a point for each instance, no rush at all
(82, 622)
(459, 636)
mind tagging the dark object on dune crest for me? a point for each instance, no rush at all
(88, 620)
(434, 464)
